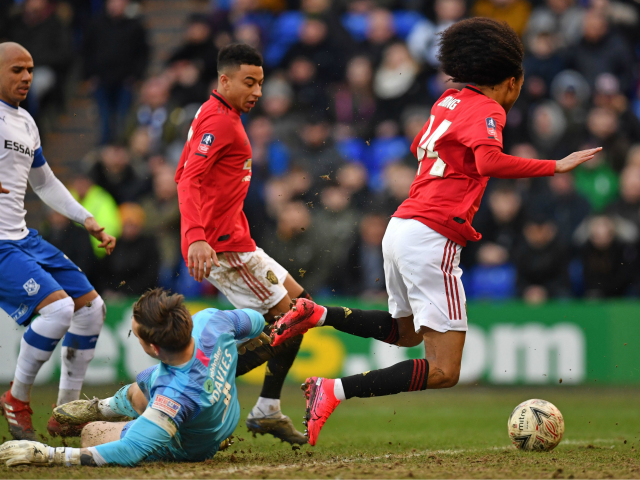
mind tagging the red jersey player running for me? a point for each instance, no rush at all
(458, 149)
(213, 179)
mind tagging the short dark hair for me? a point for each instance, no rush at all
(481, 51)
(237, 54)
(163, 319)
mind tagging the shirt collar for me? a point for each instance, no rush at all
(222, 100)
(474, 89)
(8, 105)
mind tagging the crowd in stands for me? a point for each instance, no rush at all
(349, 83)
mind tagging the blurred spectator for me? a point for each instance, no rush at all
(354, 103)
(115, 57)
(316, 45)
(597, 181)
(543, 61)
(353, 179)
(102, 205)
(188, 86)
(570, 208)
(38, 29)
(560, 18)
(132, 269)
(364, 273)
(397, 83)
(198, 47)
(541, 260)
(113, 172)
(628, 205)
(337, 220)
(608, 262)
(162, 215)
(601, 51)
(514, 12)
(501, 224)
(380, 33)
(547, 130)
(318, 154)
(603, 126)
(607, 95)
(299, 246)
(423, 39)
(153, 110)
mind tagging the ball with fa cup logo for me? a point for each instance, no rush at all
(536, 425)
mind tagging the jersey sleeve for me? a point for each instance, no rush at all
(484, 127)
(245, 323)
(209, 141)
(491, 162)
(177, 406)
(149, 433)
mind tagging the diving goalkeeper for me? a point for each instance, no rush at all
(183, 408)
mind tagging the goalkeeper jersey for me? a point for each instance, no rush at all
(199, 398)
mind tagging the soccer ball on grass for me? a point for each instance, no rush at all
(536, 425)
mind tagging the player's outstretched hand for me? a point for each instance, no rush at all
(24, 452)
(576, 158)
(107, 241)
(3, 190)
(200, 259)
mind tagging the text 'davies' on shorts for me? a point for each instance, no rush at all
(422, 271)
(249, 279)
(31, 269)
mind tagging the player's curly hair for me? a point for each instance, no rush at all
(236, 54)
(163, 320)
(481, 51)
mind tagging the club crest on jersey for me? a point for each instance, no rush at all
(205, 143)
(31, 287)
(491, 127)
(166, 405)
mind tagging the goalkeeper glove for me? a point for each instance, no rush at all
(26, 452)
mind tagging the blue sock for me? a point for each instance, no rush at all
(121, 405)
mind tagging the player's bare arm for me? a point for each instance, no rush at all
(3, 190)
(201, 257)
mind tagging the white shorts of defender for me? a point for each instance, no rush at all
(422, 271)
(249, 279)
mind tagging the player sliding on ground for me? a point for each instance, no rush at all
(37, 279)
(184, 407)
(458, 149)
(213, 178)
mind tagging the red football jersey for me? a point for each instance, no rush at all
(448, 187)
(213, 178)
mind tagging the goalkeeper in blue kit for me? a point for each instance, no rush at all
(182, 409)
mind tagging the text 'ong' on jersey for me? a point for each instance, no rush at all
(448, 188)
(19, 151)
(213, 178)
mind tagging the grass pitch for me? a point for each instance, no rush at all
(460, 433)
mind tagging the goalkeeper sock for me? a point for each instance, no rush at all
(407, 376)
(364, 323)
(121, 405)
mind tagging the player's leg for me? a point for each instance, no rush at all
(279, 365)
(99, 433)
(423, 278)
(254, 280)
(29, 290)
(79, 342)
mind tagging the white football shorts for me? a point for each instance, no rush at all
(249, 279)
(422, 272)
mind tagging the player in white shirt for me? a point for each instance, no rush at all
(35, 277)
